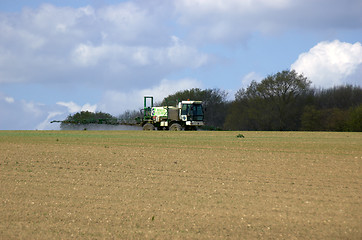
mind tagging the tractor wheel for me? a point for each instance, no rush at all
(148, 127)
(175, 127)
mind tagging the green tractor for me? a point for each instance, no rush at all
(186, 115)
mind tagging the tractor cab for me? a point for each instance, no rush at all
(191, 111)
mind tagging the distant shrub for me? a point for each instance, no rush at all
(240, 135)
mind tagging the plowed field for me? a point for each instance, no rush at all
(180, 185)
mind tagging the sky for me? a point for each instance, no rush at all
(63, 56)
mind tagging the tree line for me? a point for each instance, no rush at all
(284, 101)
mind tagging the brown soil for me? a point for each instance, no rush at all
(180, 185)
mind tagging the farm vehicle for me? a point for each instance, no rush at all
(187, 115)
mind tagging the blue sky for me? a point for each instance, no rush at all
(60, 57)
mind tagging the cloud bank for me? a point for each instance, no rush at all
(117, 46)
(235, 21)
(136, 44)
(331, 64)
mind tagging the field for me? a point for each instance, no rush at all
(180, 185)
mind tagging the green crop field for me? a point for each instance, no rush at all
(180, 185)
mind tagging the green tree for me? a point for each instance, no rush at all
(335, 119)
(276, 103)
(342, 97)
(333, 109)
(86, 117)
(311, 119)
(354, 122)
(235, 119)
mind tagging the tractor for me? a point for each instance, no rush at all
(186, 115)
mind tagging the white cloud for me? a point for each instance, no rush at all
(32, 108)
(20, 114)
(182, 55)
(129, 21)
(176, 55)
(9, 99)
(204, 7)
(235, 21)
(46, 125)
(167, 87)
(135, 41)
(121, 45)
(89, 107)
(73, 107)
(116, 102)
(331, 63)
(248, 78)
